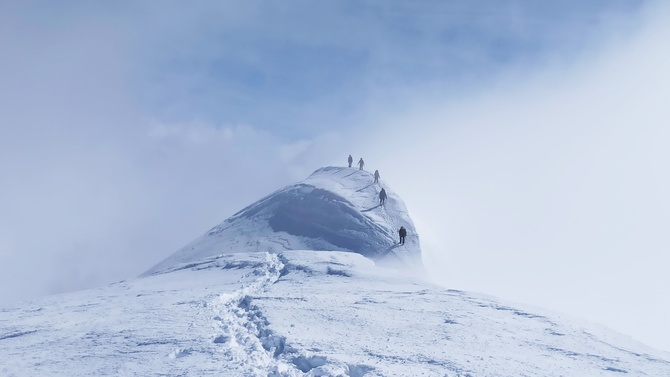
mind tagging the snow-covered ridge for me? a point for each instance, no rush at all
(244, 301)
(335, 209)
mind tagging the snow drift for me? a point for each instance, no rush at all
(334, 209)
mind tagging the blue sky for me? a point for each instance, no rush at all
(227, 61)
(521, 134)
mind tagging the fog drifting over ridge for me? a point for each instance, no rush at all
(553, 191)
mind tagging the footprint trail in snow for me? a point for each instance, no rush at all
(244, 336)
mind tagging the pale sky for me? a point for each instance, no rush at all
(528, 139)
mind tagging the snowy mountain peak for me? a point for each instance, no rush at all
(226, 306)
(334, 209)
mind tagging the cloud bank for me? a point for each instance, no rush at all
(530, 155)
(551, 191)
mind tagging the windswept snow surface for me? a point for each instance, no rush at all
(335, 208)
(302, 313)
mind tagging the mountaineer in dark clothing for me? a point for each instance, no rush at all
(361, 163)
(376, 176)
(382, 197)
(350, 160)
(402, 232)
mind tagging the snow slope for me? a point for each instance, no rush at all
(302, 313)
(335, 208)
(245, 300)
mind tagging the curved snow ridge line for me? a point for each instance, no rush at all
(243, 329)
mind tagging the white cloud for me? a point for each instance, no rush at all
(551, 191)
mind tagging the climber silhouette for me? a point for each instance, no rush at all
(402, 232)
(376, 176)
(361, 163)
(382, 197)
(350, 160)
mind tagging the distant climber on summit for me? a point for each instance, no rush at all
(402, 232)
(350, 160)
(361, 163)
(382, 197)
(376, 176)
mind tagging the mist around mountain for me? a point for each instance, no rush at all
(308, 281)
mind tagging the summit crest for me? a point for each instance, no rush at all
(334, 209)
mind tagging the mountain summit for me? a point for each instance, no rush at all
(334, 209)
(290, 287)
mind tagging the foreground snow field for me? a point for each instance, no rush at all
(245, 299)
(302, 313)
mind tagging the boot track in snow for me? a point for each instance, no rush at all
(243, 334)
(244, 337)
